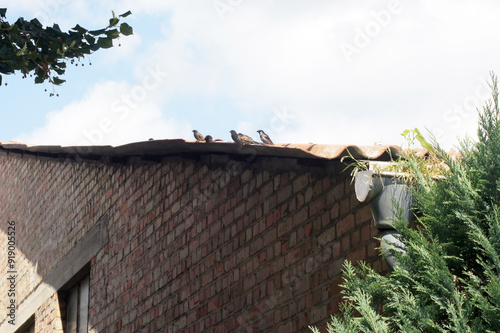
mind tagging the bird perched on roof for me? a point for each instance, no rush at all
(198, 136)
(209, 139)
(246, 139)
(235, 137)
(265, 138)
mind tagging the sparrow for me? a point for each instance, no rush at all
(265, 138)
(198, 136)
(235, 137)
(209, 139)
(246, 139)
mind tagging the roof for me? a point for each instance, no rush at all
(181, 146)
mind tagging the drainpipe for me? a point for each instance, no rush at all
(381, 190)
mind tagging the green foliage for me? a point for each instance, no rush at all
(414, 134)
(402, 164)
(30, 48)
(447, 277)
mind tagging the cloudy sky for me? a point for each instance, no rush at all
(338, 72)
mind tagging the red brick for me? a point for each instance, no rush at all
(363, 215)
(365, 233)
(193, 246)
(292, 256)
(356, 255)
(317, 205)
(345, 244)
(345, 225)
(372, 250)
(335, 211)
(345, 206)
(284, 227)
(307, 229)
(277, 215)
(266, 190)
(355, 238)
(269, 220)
(300, 216)
(284, 194)
(270, 236)
(233, 186)
(213, 304)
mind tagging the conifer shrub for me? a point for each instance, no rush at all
(447, 275)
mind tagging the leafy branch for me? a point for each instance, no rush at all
(31, 49)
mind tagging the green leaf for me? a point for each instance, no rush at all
(90, 40)
(4, 10)
(21, 51)
(38, 79)
(424, 143)
(0, 80)
(59, 71)
(4, 50)
(7, 28)
(125, 14)
(105, 42)
(57, 81)
(113, 34)
(113, 21)
(56, 27)
(6, 69)
(126, 29)
(80, 29)
(97, 32)
(36, 23)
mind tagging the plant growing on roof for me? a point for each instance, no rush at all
(448, 277)
(400, 166)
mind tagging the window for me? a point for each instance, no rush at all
(28, 326)
(77, 307)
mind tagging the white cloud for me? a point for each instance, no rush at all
(428, 58)
(112, 113)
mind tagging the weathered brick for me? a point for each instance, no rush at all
(345, 225)
(327, 236)
(365, 233)
(356, 255)
(270, 236)
(284, 194)
(300, 183)
(300, 216)
(193, 243)
(284, 226)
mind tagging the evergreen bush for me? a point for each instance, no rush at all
(447, 278)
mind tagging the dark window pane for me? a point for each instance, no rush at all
(72, 310)
(83, 306)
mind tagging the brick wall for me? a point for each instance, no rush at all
(206, 243)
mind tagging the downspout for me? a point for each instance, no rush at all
(381, 190)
